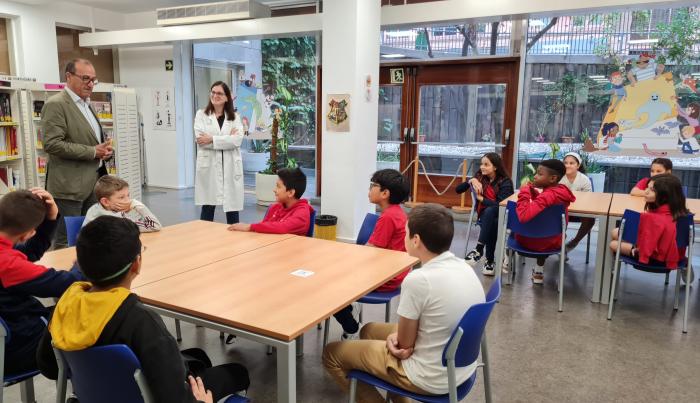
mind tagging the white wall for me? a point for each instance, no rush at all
(144, 69)
(34, 32)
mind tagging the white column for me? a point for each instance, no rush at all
(184, 111)
(350, 53)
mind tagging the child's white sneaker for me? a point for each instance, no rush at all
(538, 275)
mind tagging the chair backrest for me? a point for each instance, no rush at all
(4, 330)
(545, 224)
(73, 225)
(310, 232)
(630, 231)
(105, 374)
(366, 229)
(465, 343)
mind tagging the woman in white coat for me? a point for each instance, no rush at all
(219, 174)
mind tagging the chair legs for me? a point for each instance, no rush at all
(676, 291)
(486, 369)
(326, 329)
(387, 311)
(588, 247)
(668, 274)
(26, 391)
(561, 282)
(353, 389)
(178, 331)
(613, 287)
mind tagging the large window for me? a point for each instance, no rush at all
(260, 73)
(620, 87)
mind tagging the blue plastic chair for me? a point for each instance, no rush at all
(550, 222)
(374, 297)
(106, 374)
(25, 379)
(685, 235)
(471, 218)
(310, 232)
(366, 229)
(467, 340)
(73, 225)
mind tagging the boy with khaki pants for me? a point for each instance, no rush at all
(433, 300)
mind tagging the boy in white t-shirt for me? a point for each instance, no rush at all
(433, 300)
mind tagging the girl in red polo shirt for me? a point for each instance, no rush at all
(659, 166)
(656, 239)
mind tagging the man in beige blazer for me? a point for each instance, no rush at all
(75, 144)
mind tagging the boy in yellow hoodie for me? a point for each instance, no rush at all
(104, 311)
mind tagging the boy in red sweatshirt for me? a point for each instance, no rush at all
(291, 214)
(532, 201)
(27, 225)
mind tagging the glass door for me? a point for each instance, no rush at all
(450, 113)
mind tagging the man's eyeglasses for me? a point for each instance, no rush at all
(372, 184)
(642, 61)
(87, 79)
(218, 94)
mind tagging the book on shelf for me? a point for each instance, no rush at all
(10, 146)
(10, 179)
(39, 138)
(41, 165)
(5, 108)
(38, 106)
(103, 110)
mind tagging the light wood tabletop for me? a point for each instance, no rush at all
(593, 203)
(256, 291)
(623, 201)
(179, 248)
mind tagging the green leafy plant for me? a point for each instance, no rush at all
(589, 163)
(528, 172)
(678, 38)
(258, 146)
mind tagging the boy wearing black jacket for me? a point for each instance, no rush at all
(27, 225)
(109, 255)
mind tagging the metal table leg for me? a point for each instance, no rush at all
(600, 253)
(286, 373)
(500, 239)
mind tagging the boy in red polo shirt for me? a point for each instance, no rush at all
(387, 189)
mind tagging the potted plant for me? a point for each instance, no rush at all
(278, 148)
(255, 158)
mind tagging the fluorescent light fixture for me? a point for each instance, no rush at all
(597, 76)
(642, 41)
(537, 78)
(393, 56)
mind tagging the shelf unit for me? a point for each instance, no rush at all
(12, 145)
(117, 112)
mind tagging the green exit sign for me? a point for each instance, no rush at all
(168, 65)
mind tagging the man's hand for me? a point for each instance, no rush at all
(239, 227)
(51, 207)
(204, 139)
(199, 391)
(392, 344)
(104, 151)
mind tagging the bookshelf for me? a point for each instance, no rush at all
(116, 109)
(12, 149)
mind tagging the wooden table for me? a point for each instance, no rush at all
(255, 296)
(620, 203)
(180, 248)
(241, 283)
(587, 204)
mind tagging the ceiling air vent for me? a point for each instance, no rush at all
(211, 12)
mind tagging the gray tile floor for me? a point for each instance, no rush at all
(537, 354)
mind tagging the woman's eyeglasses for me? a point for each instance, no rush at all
(217, 94)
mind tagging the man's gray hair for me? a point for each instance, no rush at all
(70, 66)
